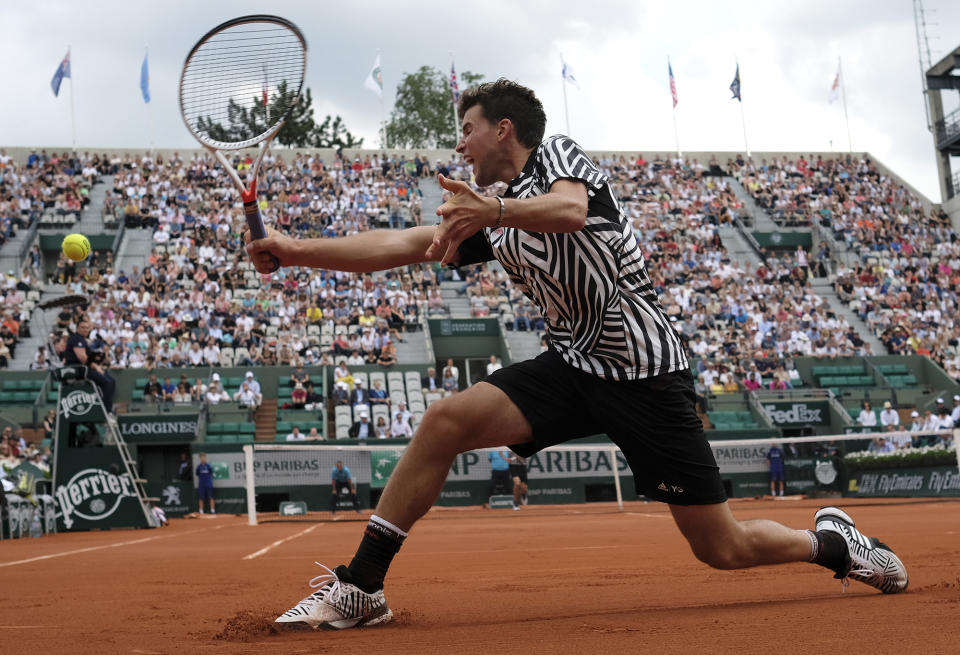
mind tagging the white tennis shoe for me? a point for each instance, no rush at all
(870, 560)
(338, 604)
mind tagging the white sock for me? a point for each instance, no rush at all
(814, 545)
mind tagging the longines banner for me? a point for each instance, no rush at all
(151, 428)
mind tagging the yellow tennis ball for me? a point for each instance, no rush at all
(76, 247)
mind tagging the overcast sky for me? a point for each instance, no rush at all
(787, 52)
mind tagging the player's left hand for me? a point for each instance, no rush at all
(460, 218)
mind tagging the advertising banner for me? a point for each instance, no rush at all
(933, 481)
(805, 412)
(157, 428)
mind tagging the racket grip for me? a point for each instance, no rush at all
(257, 230)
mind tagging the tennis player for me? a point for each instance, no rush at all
(615, 364)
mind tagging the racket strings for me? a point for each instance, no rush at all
(228, 74)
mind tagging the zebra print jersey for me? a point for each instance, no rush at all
(600, 307)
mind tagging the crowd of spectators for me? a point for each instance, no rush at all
(906, 265)
(198, 301)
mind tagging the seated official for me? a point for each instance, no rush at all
(77, 354)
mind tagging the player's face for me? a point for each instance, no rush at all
(478, 145)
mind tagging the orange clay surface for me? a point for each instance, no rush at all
(557, 579)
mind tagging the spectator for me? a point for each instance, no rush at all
(341, 393)
(867, 418)
(881, 445)
(889, 418)
(382, 429)
(153, 391)
(361, 429)
(430, 381)
(49, 424)
(247, 397)
(359, 396)
(298, 396)
(252, 382)
(296, 435)
(299, 375)
(378, 395)
(314, 434)
(388, 354)
(400, 429)
(216, 394)
(402, 412)
(493, 365)
(342, 483)
(167, 390)
(451, 378)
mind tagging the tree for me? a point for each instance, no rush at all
(422, 115)
(332, 133)
(298, 131)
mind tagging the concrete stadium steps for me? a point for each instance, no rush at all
(266, 421)
(824, 288)
(134, 250)
(432, 194)
(41, 322)
(522, 345)
(91, 218)
(459, 305)
(414, 349)
(762, 221)
(741, 253)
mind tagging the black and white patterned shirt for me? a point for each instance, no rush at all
(600, 307)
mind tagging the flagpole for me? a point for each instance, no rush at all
(73, 120)
(676, 134)
(843, 95)
(743, 120)
(383, 120)
(146, 54)
(456, 117)
(566, 111)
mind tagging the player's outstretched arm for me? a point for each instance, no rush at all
(375, 250)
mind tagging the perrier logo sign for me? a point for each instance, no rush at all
(77, 403)
(93, 494)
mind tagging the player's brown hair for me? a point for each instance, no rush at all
(507, 99)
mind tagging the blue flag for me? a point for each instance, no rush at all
(735, 85)
(145, 80)
(63, 70)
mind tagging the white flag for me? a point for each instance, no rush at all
(835, 89)
(374, 80)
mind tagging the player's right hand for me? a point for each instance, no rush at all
(278, 245)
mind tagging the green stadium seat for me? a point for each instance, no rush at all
(245, 428)
(52, 396)
(6, 397)
(214, 438)
(23, 396)
(216, 428)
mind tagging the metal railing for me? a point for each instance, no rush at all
(949, 128)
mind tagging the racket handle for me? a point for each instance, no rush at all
(257, 230)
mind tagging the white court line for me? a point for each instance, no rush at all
(651, 516)
(93, 548)
(280, 541)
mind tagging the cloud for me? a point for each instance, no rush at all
(787, 51)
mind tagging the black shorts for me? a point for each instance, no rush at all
(519, 471)
(653, 421)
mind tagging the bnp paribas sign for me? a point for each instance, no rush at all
(802, 413)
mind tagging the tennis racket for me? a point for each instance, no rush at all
(226, 87)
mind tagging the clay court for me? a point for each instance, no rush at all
(548, 579)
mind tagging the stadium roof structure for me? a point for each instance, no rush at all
(945, 76)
